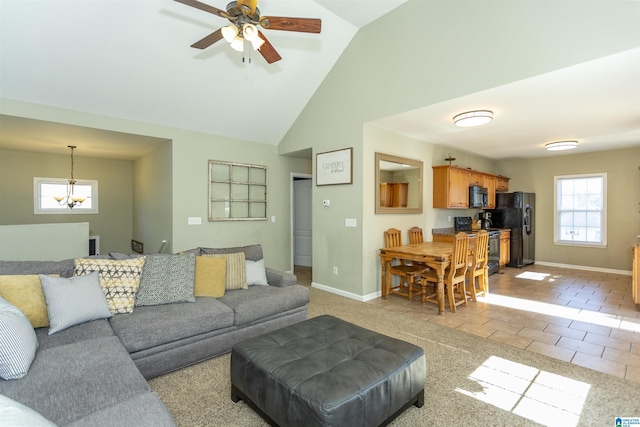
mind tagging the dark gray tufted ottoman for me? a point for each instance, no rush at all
(327, 372)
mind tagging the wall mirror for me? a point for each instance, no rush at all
(398, 184)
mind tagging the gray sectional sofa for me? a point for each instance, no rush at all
(94, 373)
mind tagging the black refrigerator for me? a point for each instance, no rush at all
(517, 212)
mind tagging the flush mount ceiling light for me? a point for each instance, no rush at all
(473, 118)
(561, 145)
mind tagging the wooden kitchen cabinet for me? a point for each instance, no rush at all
(505, 247)
(476, 178)
(394, 194)
(448, 238)
(489, 182)
(502, 183)
(450, 187)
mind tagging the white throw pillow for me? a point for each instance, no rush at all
(256, 274)
(74, 300)
(18, 342)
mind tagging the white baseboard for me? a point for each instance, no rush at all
(585, 267)
(361, 298)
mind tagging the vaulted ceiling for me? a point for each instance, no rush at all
(133, 60)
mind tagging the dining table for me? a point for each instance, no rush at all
(436, 255)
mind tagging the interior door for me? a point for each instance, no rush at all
(302, 237)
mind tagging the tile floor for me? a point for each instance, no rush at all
(583, 317)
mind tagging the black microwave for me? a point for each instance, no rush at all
(478, 196)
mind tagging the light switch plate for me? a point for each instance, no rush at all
(350, 222)
(194, 220)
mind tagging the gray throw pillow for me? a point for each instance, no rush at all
(167, 279)
(18, 342)
(74, 300)
(256, 274)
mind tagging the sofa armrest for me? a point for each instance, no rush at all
(280, 278)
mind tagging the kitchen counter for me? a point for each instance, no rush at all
(450, 232)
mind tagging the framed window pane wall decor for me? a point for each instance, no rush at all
(237, 191)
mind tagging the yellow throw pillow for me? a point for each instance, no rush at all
(119, 279)
(25, 292)
(236, 270)
(211, 274)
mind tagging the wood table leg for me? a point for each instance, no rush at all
(440, 290)
(385, 277)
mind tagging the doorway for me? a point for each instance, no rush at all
(301, 227)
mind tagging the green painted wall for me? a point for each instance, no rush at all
(423, 53)
(113, 223)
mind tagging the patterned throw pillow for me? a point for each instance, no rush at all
(18, 342)
(119, 280)
(166, 279)
(236, 270)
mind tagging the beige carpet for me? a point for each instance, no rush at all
(470, 381)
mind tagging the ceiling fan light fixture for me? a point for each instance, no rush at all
(561, 145)
(257, 43)
(473, 118)
(250, 32)
(238, 44)
(229, 33)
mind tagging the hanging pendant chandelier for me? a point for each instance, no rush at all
(70, 200)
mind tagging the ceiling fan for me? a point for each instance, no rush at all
(245, 19)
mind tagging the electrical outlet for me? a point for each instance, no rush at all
(335, 271)
(449, 218)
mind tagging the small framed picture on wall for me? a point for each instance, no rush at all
(334, 167)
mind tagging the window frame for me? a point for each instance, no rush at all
(79, 210)
(244, 191)
(557, 240)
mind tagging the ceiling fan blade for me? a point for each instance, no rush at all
(302, 25)
(250, 4)
(198, 5)
(267, 50)
(208, 40)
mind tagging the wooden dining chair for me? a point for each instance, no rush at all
(409, 274)
(454, 276)
(415, 235)
(477, 273)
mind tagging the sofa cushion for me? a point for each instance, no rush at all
(69, 382)
(73, 300)
(84, 331)
(257, 302)
(119, 279)
(251, 252)
(18, 342)
(63, 268)
(166, 279)
(143, 410)
(16, 414)
(256, 274)
(148, 327)
(211, 275)
(25, 292)
(236, 270)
